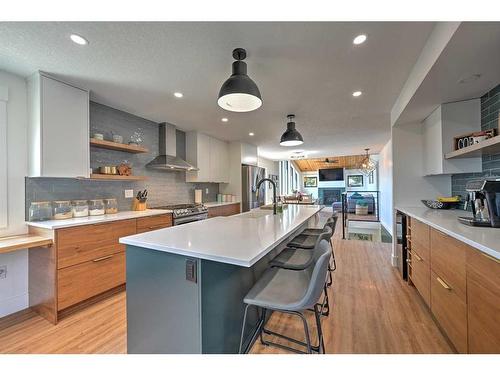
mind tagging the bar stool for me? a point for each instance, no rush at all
(298, 259)
(307, 239)
(290, 292)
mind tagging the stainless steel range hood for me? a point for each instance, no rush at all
(168, 160)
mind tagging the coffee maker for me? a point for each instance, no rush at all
(484, 200)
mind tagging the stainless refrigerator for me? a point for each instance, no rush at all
(250, 175)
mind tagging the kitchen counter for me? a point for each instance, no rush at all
(484, 239)
(88, 220)
(240, 239)
(218, 204)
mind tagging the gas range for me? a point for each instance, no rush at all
(185, 213)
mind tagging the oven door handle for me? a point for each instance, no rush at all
(188, 219)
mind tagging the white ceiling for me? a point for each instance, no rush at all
(473, 49)
(309, 69)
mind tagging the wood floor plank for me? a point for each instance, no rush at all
(373, 311)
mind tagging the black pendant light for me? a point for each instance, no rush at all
(239, 93)
(291, 137)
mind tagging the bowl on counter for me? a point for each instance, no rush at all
(438, 205)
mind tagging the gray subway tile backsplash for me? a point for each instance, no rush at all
(164, 187)
(490, 105)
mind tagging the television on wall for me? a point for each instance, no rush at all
(335, 174)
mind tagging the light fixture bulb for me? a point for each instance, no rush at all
(224, 119)
(178, 94)
(356, 93)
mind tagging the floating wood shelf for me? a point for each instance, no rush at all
(117, 146)
(25, 241)
(488, 147)
(97, 176)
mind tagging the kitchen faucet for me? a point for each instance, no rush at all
(274, 191)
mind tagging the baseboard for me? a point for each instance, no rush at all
(13, 304)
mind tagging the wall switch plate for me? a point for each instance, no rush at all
(206, 191)
(129, 193)
(3, 272)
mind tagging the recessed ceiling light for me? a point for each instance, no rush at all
(251, 134)
(356, 93)
(79, 39)
(224, 119)
(359, 39)
(178, 94)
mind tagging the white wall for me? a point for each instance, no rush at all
(385, 187)
(272, 167)
(367, 186)
(409, 183)
(311, 190)
(14, 289)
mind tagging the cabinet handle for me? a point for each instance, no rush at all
(443, 284)
(417, 257)
(103, 258)
(491, 258)
(408, 237)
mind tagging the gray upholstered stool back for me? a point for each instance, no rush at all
(317, 270)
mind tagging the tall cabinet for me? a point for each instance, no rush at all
(211, 157)
(58, 131)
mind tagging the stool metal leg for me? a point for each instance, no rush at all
(317, 315)
(243, 327)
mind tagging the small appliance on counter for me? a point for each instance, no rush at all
(484, 200)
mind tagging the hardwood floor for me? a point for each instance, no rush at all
(373, 311)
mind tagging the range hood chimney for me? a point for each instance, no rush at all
(168, 160)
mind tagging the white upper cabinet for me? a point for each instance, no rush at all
(211, 157)
(58, 132)
(448, 121)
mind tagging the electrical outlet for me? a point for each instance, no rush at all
(206, 191)
(3, 272)
(129, 193)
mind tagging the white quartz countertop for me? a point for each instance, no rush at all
(88, 220)
(484, 239)
(217, 204)
(240, 239)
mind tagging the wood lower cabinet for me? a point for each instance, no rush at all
(225, 210)
(448, 287)
(460, 284)
(146, 224)
(483, 302)
(80, 244)
(419, 258)
(83, 281)
(84, 262)
(449, 308)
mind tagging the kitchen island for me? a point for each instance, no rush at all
(185, 284)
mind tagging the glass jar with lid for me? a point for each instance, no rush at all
(80, 208)
(111, 206)
(62, 210)
(40, 211)
(96, 207)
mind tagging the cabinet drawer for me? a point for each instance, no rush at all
(80, 244)
(448, 260)
(420, 275)
(483, 302)
(450, 310)
(420, 236)
(226, 210)
(82, 281)
(145, 224)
